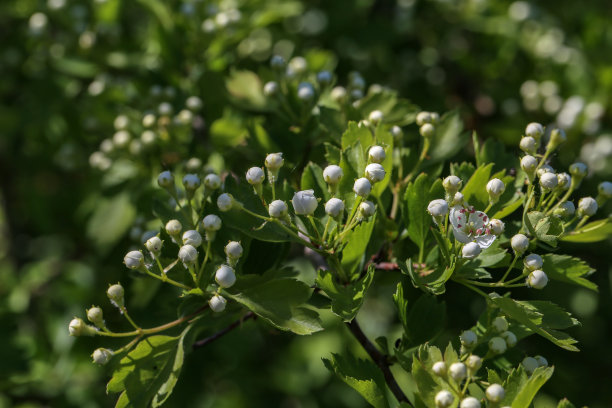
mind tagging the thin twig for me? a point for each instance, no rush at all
(379, 359)
(221, 333)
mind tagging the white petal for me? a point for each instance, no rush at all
(454, 216)
(478, 218)
(461, 236)
(485, 241)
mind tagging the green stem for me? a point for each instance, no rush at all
(422, 157)
(314, 226)
(201, 270)
(582, 222)
(509, 269)
(164, 278)
(129, 319)
(329, 218)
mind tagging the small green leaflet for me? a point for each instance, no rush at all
(346, 299)
(592, 232)
(568, 269)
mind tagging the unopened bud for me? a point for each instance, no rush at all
(102, 356)
(115, 295)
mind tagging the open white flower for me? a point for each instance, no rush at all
(470, 225)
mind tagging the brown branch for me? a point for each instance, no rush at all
(221, 333)
(380, 359)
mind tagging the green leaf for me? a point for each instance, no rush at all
(548, 230)
(227, 131)
(474, 190)
(424, 321)
(312, 178)
(357, 242)
(361, 375)
(564, 403)
(464, 170)
(355, 133)
(493, 256)
(542, 317)
(346, 299)
(567, 269)
(417, 199)
(592, 232)
(429, 280)
(110, 220)
(514, 383)
(332, 153)
(509, 208)
(148, 373)
(277, 299)
(246, 89)
(448, 139)
(528, 391)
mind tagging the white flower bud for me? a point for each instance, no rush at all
(191, 182)
(304, 202)
(471, 250)
(557, 136)
(548, 181)
(165, 179)
(377, 154)
(225, 276)
(121, 139)
(338, 94)
(469, 402)
(121, 122)
(233, 250)
(423, 118)
(497, 345)
(496, 226)
(578, 170)
(495, 393)
(277, 209)
(184, 117)
(188, 255)
(362, 187)
(334, 207)
(212, 181)
(193, 165)
(587, 206)
(173, 227)
(468, 339)
(211, 222)
(133, 259)
(324, 77)
(444, 399)
(519, 243)
(495, 188)
(427, 130)
(164, 109)
(274, 161)
(529, 164)
(375, 172)
(473, 364)
(115, 294)
(542, 362)
(154, 244)
(457, 371)
(277, 62)
(439, 368)
(530, 364)
(534, 130)
(96, 316)
(148, 120)
(499, 324)
(451, 184)
(528, 144)
(545, 169)
(225, 202)
(509, 338)
(77, 327)
(217, 303)
(437, 208)
(376, 117)
(563, 181)
(566, 209)
(533, 262)
(458, 199)
(333, 174)
(605, 190)
(102, 356)
(255, 176)
(537, 279)
(397, 133)
(366, 209)
(193, 238)
(270, 88)
(194, 103)
(298, 65)
(305, 91)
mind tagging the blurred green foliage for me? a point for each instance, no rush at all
(70, 67)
